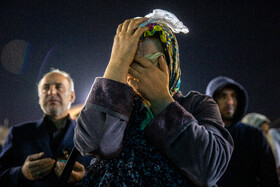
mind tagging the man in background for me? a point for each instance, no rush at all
(252, 162)
(35, 152)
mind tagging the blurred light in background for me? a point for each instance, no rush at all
(15, 56)
(75, 110)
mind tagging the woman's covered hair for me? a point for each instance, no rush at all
(162, 24)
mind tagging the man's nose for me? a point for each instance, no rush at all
(52, 90)
(230, 100)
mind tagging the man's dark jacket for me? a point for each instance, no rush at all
(252, 162)
(30, 138)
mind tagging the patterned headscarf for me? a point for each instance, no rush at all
(255, 119)
(167, 37)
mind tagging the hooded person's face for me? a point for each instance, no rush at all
(227, 102)
(265, 127)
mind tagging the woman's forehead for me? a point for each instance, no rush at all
(149, 45)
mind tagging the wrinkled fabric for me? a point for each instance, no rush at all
(104, 172)
(186, 141)
(167, 18)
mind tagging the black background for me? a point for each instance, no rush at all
(239, 40)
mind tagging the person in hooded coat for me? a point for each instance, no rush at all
(252, 162)
(261, 122)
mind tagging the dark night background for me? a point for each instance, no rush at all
(239, 40)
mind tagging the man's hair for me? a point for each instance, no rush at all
(228, 86)
(53, 70)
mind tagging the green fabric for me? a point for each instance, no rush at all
(154, 57)
(156, 28)
(149, 116)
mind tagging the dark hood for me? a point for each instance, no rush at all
(221, 82)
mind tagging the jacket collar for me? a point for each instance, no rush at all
(43, 140)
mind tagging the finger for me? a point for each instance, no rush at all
(35, 156)
(78, 167)
(143, 61)
(135, 74)
(35, 168)
(134, 83)
(119, 28)
(135, 23)
(41, 172)
(140, 30)
(41, 169)
(125, 25)
(60, 164)
(76, 176)
(58, 170)
(163, 65)
(38, 163)
(137, 67)
(47, 168)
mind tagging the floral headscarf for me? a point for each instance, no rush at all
(165, 24)
(167, 37)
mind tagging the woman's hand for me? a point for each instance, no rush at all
(124, 48)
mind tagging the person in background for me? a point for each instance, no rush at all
(4, 131)
(140, 128)
(252, 162)
(35, 152)
(259, 121)
(274, 132)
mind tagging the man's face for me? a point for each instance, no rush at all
(265, 127)
(55, 96)
(227, 102)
